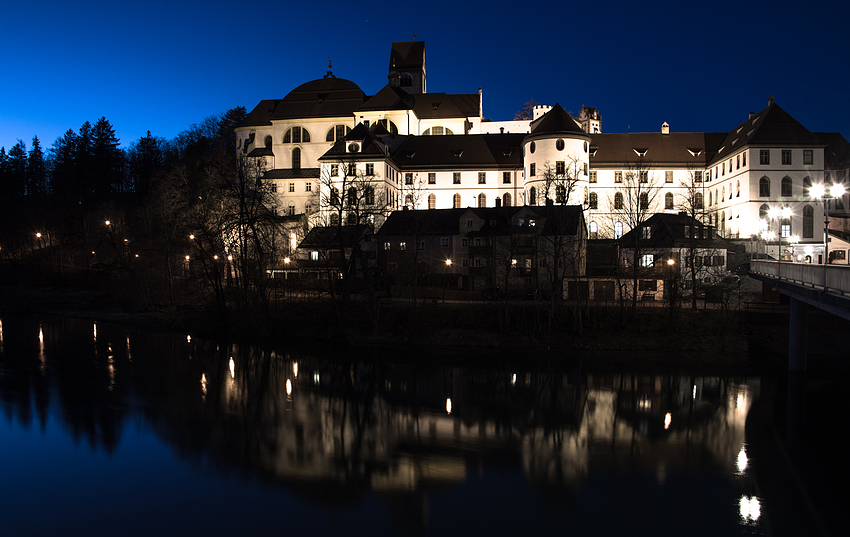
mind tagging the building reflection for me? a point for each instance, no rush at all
(334, 429)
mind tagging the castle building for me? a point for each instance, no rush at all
(328, 142)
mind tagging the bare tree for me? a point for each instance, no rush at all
(527, 110)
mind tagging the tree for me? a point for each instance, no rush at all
(526, 112)
(107, 160)
(63, 175)
(692, 203)
(145, 161)
(16, 171)
(36, 169)
(633, 202)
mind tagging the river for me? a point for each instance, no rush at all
(108, 430)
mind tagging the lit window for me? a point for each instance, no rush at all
(618, 177)
(618, 230)
(314, 255)
(592, 178)
(668, 176)
(647, 260)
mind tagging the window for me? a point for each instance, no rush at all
(272, 186)
(709, 198)
(291, 187)
(308, 208)
(808, 157)
(432, 201)
(560, 167)
(296, 135)
(482, 200)
(723, 169)
(469, 223)
(807, 184)
(668, 201)
(585, 168)
(532, 169)
(444, 242)
(506, 178)
(644, 177)
(337, 132)
(352, 196)
(698, 200)
(808, 222)
(402, 246)
(296, 158)
(618, 230)
(464, 242)
(506, 200)
(421, 245)
(592, 178)
(477, 261)
(408, 178)
(786, 157)
(437, 131)
(456, 201)
(698, 177)
(738, 162)
(618, 200)
(291, 208)
(618, 177)
(370, 169)
(593, 200)
(482, 178)
(764, 157)
(308, 186)
(334, 170)
(559, 144)
(456, 178)
(647, 260)
(645, 232)
(644, 201)
(314, 255)
(369, 197)
(764, 187)
(786, 229)
(268, 142)
(432, 178)
(561, 194)
(786, 186)
(668, 176)
(477, 241)
(464, 262)
(738, 189)
(744, 159)
(593, 228)
(723, 193)
(532, 196)
(532, 146)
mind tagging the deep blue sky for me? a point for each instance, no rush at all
(162, 66)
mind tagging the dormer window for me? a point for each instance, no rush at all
(640, 152)
(695, 152)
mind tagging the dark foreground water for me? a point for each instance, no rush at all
(110, 431)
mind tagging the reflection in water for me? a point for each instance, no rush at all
(359, 428)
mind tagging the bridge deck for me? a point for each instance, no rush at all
(806, 283)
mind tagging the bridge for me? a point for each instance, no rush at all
(826, 287)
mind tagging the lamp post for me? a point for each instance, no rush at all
(819, 192)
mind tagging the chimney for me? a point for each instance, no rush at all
(752, 115)
(665, 128)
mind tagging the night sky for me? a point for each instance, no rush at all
(162, 66)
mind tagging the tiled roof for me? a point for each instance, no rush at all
(370, 146)
(837, 152)
(427, 222)
(333, 236)
(261, 152)
(287, 173)
(460, 151)
(261, 114)
(446, 105)
(555, 121)
(388, 98)
(668, 230)
(325, 97)
(674, 149)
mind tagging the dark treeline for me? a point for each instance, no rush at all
(158, 226)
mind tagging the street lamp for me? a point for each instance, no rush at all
(819, 192)
(780, 214)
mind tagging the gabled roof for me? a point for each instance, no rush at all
(407, 55)
(837, 153)
(460, 151)
(771, 126)
(675, 149)
(446, 105)
(388, 98)
(369, 146)
(555, 121)
(668, 230)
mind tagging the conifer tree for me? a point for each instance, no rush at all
(107, 159)
(36, 169)
(17, 170)
(63, 174)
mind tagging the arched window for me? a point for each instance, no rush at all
(764, 187)
(352, 196)
(644, 201)
(506, 200)
(618, 230)
(618, 200)
(456, 201)
(738, 189)
(334, 196)
(482, 200)
(296, 135)
(786, 187)
(406, 79)
(716, 196)
(369, 195)
(408, 201)
(334, 219)
(697, 199)
(723, 193)
(808, 222)
(807, 184)
(296, 158)
(593, 200)
(437, 131)
(351, 219)
(763, 212)
(532, 196)
(268, 142)
(432, 201)
(709, 198)
(730, 191)
(723, 224)
(592, 228)
(291, 210)
(561, 193)
(668, 201)
(337, 133)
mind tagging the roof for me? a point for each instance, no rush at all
(446, 105)
(388, 98)
(370, 146)
(771, 126)
(555, 121)
(460, 151)
(261, 114)
(287, 173)
(668, 230)
(837, 152)
(333, 236)
(674, 149)
(407, 55)
(425, 222)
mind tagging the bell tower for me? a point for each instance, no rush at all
(407, 66)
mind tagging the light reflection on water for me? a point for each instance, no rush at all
(596, 453)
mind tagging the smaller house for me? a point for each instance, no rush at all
(329, 253)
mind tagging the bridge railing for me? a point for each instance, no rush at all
(837, 276)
